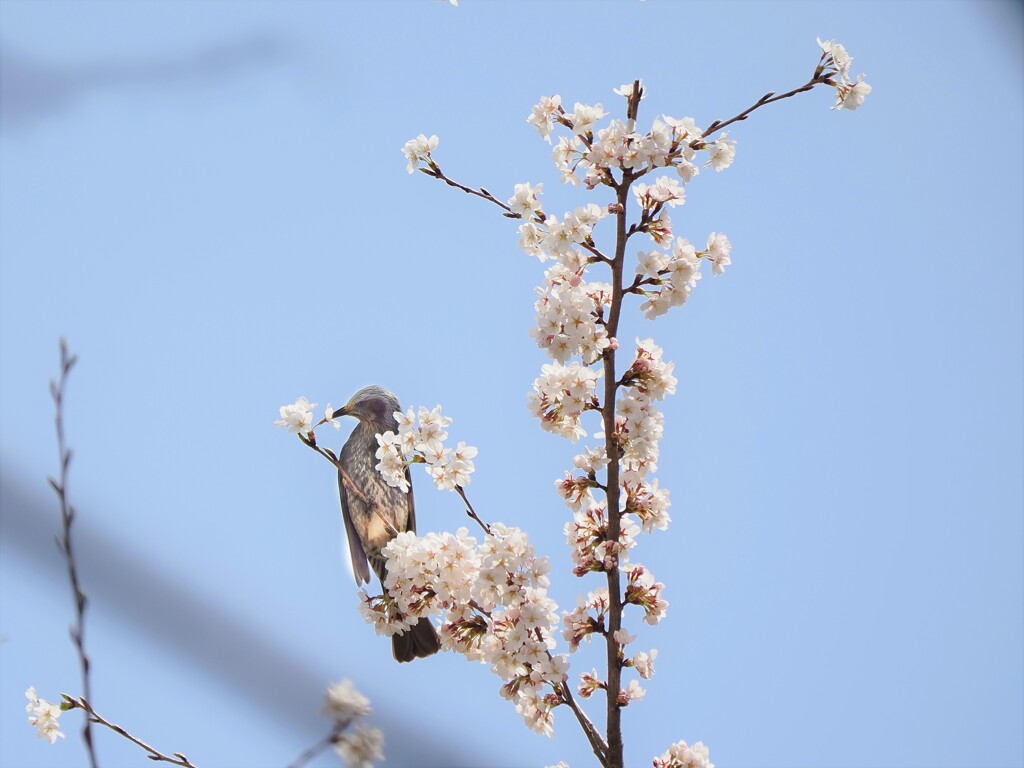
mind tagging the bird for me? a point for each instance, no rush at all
(373, 511)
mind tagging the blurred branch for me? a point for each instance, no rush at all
(67, 516)
(327, 741)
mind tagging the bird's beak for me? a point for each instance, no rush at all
(343, 411)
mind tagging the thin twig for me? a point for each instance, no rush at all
(347, 480)
(470, 511)
(596, 742)
(768, 98)
(327, 741)
(67, 516)
(93, 716)
(436, 172)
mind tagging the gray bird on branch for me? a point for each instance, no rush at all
(375, 512)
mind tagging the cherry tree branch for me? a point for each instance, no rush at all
(434, 171)
(470, 511)
(596, 742)
(310, 440)
(768, 98)
(326, 742)
(67, 516)
(92, 716)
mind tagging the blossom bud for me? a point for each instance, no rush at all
(614, 208)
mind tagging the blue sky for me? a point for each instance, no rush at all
(208, 200)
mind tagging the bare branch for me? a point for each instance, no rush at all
(470, 511)
(327, 741)
(768, 98)
(70, 702)
(67, 516)
(596, 742)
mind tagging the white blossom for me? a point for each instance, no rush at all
(531, 237)
(622, 637)
(359, 748)
(544, 114)
(686, 170)
(649, 502)
(589, 683)
(583, 117)
(626, 89)
(840, 59)
(643, 663)
(680, 755)
(417, 150)
(296, 417)
(560, 395)
(491, 600)
(851, 95)
(43, 716)
(526, 200)
(644, 591)
(719, 252)
(344, 702)
(721, 152)
(632, 692)
(329, 417)
(568, 314)
(648, 373)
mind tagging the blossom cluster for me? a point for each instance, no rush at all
(43, 716)
(570, 316)
(547, 238)
(560, 396)
(418, 150)
(642, 662)
(850, 94)
(492, 604)
(670, 142)
(420, 439)
(675, 273)
(680, 755)
(358, 746)
(297, 417)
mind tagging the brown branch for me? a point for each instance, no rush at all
(435, 171)
(93, 716)
(596, 742)
(329, 740)
(310, 440)
(768, 98)
(613, 729)
(470, 511)
(67, 516)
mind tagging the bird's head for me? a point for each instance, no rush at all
(374, 405)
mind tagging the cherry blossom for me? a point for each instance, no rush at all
(680, 755)
(544, 114)
(43, 716)
(296, 417)
(417, 150)
(344, 702)
(359, 748)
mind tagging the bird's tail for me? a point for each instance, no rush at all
(417, 642)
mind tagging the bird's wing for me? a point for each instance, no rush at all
(411, 524)
(355, 547)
